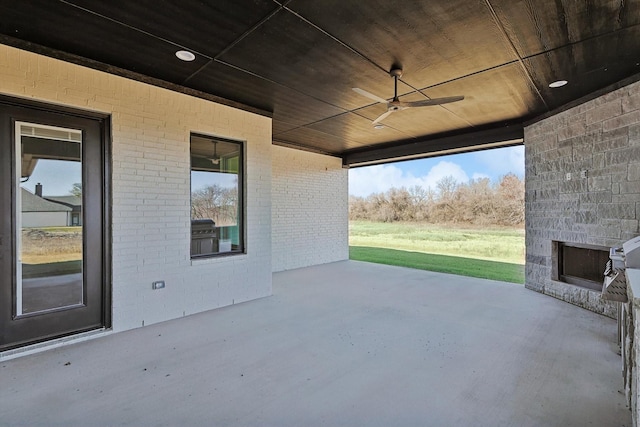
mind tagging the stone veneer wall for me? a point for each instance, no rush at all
(601, 136)
(631, 345)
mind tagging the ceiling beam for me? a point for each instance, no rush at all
(503, 136)
(301, 147)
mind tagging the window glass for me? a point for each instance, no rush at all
(216, 196)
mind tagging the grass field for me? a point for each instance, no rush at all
(492, 253)
(46, 245)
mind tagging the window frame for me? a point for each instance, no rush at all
(241, 187)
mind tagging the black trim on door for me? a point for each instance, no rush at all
(16, 331)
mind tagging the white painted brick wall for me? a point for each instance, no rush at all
(151, 215)
(309, 209)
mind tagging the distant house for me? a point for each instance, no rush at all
(75, 203)
(58, 211)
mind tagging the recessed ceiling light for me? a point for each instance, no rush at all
(558, 83)
(185, 55)
(378, 127)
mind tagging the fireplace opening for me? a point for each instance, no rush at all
(579, 264)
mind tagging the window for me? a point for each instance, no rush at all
(217, 199)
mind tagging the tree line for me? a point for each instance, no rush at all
(215, 202)
(478, 202)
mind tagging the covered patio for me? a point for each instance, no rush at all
(346, 343)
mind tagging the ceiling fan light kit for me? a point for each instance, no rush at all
(396, 105)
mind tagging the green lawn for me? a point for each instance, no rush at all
(492, 253)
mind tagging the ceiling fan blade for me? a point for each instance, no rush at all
(214, 160)
(369, 95)
(428, 102)
(383, 116)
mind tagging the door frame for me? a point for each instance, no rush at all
(8, 255)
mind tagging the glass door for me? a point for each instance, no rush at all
(53, 249)
(49, 241)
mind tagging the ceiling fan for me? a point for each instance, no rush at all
(396, 105)
(215, 160)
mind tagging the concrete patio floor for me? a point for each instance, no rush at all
(343, 344)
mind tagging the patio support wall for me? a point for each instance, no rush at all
(601, 137)
(151, 187)
(631, 344)
(309, 209)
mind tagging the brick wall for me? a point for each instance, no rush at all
(601, 137)
(151, 186)
(309, 209)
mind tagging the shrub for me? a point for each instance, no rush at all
(477, 202)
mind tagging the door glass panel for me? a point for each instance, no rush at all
(49, 218)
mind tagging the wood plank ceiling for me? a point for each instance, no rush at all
(297, 60)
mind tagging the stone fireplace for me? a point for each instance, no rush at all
(582, 194)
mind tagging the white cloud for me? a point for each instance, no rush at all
(501, 161)
(380, 178)
(442, 170)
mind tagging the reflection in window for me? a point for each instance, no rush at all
(216, 196)
(49, 216)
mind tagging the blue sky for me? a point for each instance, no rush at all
(56, 176)
(491, 164)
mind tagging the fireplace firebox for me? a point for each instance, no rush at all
(579, 264)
